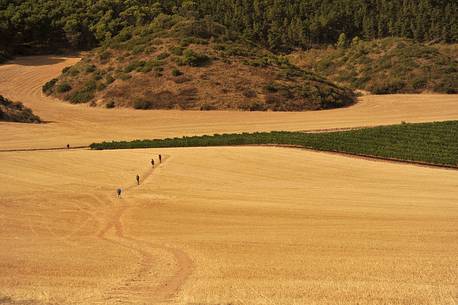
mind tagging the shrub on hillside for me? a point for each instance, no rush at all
(105, 56)
(176, 72)
(449, 86)
(66, 70)
(249, 93)
(177, 50)
(85, 94)
(16, 112)
(194, 59)
(109, 79)
(387, 86)
(419, 83)
(90, 69)
(64, 87)
(48, 88)
(111, 104)
(143, 104)
(163, 56)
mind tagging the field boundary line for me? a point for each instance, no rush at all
(42, 149)
(360, 156)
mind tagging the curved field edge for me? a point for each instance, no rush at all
(424, 143)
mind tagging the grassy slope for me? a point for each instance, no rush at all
(179, 63)
(16, 112)
(390, 65)
(434, 143)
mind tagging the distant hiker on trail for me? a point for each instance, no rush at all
(68, 146)
(119, 191)
(138, 180)
(152, 162)
(160, 159)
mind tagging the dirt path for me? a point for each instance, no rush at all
(137, 287)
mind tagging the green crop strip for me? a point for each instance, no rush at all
(433, 143)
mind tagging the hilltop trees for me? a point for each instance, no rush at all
(278, 24)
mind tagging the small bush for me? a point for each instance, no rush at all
(194, 59)
(249, 93)
(419, 83)
(101, 86)
(185, 42)
(177, 51)
(109, 79)
(135, 65)
(387, 86)
(81, 97)
(447, 86)
(64, 87)
(74, 71)
(124, 76)
(90, 69)
(271, 87)
(111, 104)
(163, 56)
(65, 70)
(176, 72)
(207, 107)
(48, 88)
(85, 94)
(138, 49)
(143, 104)
(105, 56)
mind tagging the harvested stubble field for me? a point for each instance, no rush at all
(21, 80)
(227, 225)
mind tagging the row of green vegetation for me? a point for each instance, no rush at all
(16, 112)
(30, 25)
(433, 143)
(386, 66)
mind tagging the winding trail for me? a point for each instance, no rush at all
(138, 285)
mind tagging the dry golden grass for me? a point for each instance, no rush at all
(245, 225)
(81, 125)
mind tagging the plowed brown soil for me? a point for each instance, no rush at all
(235, 225)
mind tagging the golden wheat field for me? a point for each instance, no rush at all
(232, 225)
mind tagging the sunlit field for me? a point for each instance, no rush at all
(217, 225)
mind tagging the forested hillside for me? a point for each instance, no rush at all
(34, 25)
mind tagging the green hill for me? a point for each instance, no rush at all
(385, 66)
(16, 112)
(184, 63)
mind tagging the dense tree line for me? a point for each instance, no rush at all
(283, 24)
(278, 24)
